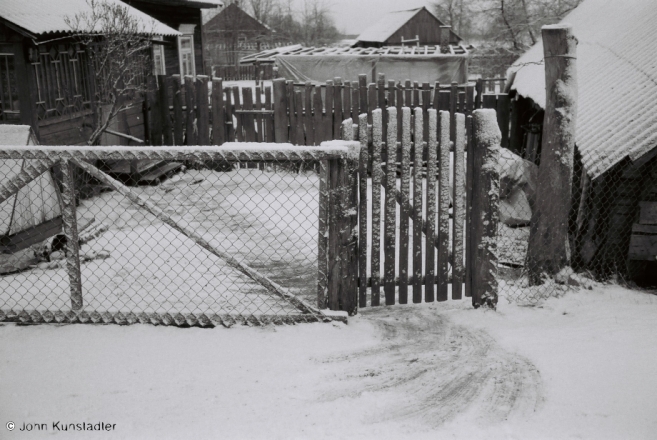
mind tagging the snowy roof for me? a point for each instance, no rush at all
(617, 80)
(383, 29)
(269, 56)
(49, 16)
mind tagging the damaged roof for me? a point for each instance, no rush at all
(617, 80)
(41, 17)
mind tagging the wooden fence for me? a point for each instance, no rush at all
(240, 73)
(302, 115)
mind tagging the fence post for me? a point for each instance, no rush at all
(69, 221)
(163, 98)
(177, 110)
(280, 111)
(342, 228)
(485, 205)
(155, 114)
(203, 111)
(190, 98)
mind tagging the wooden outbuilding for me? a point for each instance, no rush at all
(612, 221)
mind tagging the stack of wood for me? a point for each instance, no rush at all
(643, 243)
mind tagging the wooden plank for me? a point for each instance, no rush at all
(259, 132)
(405, 190)
(469, 99)
(640, 229)
(362, 212)
(202, 110)
(298, 107)
(218, 112)
(70, 224)
(371, 100)
(453, 104)
(417, 205)
(443, 208)
(165, 116)
(392, 92)
(269, 120)
(399, 103)
(416, 94)
(485, 207)
(444, 100)
(337, 107)
(237, 105)
(280, 111)
(390, 207)
(178, 115)
(377, 177)
(248, 123)
(381, 103)
(292, 114)
(31, 169)
(503, 109)
(363, 95)
(355, 102)
(328, 117)
(230, 111)
(318, 118)
(408, 94)
(458, 208)
(22, 240)
(479, 90)
(346, 98)
(308, 115)
(489, 101)
(643, 247)
(430, 215)
(469, 179)
(648, 213)
(190, 103)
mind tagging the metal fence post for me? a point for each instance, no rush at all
(343, 229)
(69, 222)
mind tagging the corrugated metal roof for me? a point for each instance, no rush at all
(40, 17)
(383, 29)
(617, 80)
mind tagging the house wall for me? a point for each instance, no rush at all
(424, 24)
(174, 16)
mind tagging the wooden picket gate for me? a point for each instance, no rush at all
(406, 233)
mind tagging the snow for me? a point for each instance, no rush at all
(581, 366)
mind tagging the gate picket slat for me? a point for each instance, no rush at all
(355, 97)
(178, 136)
(292, 116)
(328, 117)
(408, 99)
(362, 212)
(362, 96)
(322, 239)
(430, 261)
(417, 207)
(377, 174)
(399, 102)
(229, 115)
(469, 179)
(405, 197)
(391, 205)
(381, 103)
(443, 209)
(202, 110)
(248, 119)
(458, 208)
(347, 101)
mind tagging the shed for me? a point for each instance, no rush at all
(413, 26)
(616, 132)
(417, 63)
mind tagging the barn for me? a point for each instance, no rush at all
(614, 214)
(413, 26)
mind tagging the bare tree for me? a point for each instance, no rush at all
(456, 13)
(119, 47)
(262, 9)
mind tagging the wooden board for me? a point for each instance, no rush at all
(648, 215)
(643, 247)
(377, 178)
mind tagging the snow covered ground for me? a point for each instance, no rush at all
(581, 366)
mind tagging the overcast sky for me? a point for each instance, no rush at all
(353, 16)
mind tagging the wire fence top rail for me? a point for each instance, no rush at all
(231, 152)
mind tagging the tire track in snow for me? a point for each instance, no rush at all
(435, 370)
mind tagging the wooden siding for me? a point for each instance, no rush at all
(424, 24)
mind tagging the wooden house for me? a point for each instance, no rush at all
(178, 54)
(410, 27)
(233, 34)
(46, 75)
(613, 226)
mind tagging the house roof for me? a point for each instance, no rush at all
(208, 4)
(228, 13)
(269, 56)
(40, 17)
(383, 29)
(617, 80)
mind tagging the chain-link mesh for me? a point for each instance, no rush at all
(610, 227)
(244, 248)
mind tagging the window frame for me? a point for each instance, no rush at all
(187, 31)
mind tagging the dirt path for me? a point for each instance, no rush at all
(437, 370)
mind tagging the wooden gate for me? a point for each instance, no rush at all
(427, 224)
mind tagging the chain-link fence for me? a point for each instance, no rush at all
(185, 239)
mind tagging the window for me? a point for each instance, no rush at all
(186, 50)
(9, 105)
(159, 66)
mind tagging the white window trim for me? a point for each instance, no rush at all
(188, 32)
